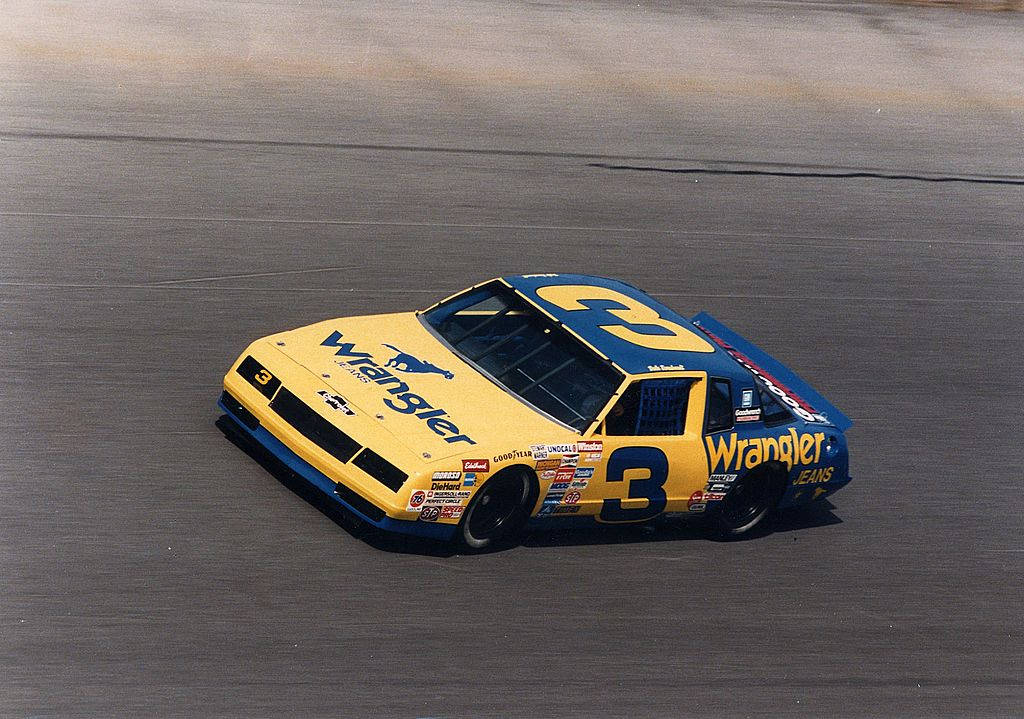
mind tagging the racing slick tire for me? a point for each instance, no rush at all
(747, 505)
(498, 511)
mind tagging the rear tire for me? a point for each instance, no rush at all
(497, 512)
(747, 505)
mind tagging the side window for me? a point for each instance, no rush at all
(719, 405)
(650, 407)
(773, 411)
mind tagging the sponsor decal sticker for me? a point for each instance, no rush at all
(546, 464)
(664, 367)
(571, 497)
(514, 454)
(791, 448)
(446, 476)
(564, 474)
(595, 446)
(570, 460)
(696, 502)
(416, 500)
(591, 457)
(336, 402)
(430, 514)
(751, 414)
(578, 484)
(449, 512)
(583, 473)
(476, 465)
(447, 496)
(559, 486)
(469, 480)
(747, 398)
(402, 399)
(445, 486)
(566, 509)
(543, 451)
(548, 474)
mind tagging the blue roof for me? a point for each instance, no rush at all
(632, 329)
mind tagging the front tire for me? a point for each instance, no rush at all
(497, 512)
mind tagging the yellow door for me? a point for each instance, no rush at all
(640, 476)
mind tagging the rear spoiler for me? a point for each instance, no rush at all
(803, 399)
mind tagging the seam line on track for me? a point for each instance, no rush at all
(795, 298)
(711, 166)
(768, 234)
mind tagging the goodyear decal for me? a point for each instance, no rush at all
(402, 401)
(793, 448)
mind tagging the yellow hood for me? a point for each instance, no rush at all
(394, 372)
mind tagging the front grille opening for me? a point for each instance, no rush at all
(235, 407)
(363, 506)
(380, 469)
(314, 427)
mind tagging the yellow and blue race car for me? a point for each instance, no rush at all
(552, 397)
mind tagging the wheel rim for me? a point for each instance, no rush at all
(745, 502)
(495, 507)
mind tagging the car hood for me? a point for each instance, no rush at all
(394, 372)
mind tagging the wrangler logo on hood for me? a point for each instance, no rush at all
(402, 401)
(405, 362)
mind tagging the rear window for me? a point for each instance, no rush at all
(772, 411)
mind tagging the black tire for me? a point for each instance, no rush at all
(498, 511)
(747, 505)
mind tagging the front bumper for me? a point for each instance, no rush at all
(248, 425)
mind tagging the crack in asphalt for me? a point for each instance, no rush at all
(836, 173)
(696, 165)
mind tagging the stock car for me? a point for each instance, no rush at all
(542, 398)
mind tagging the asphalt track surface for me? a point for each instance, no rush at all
(842, 184)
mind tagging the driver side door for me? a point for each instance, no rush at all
(652, 453)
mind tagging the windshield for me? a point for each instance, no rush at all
(526, 353)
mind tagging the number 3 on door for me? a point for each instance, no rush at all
(651, 488)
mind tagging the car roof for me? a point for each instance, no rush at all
(583, 304)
